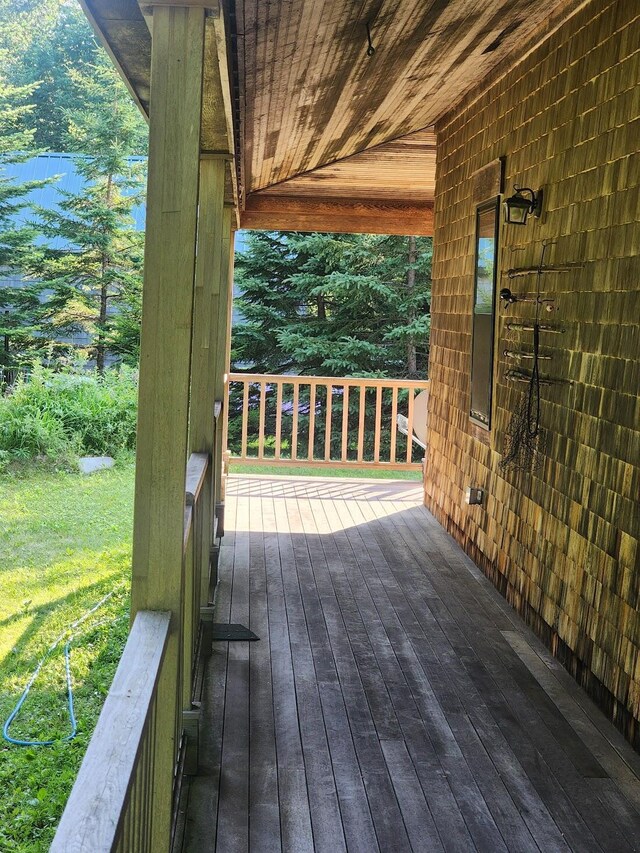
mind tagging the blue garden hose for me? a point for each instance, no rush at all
(72, 718)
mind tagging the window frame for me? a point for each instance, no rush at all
(488, 205)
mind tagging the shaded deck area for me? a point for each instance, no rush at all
(394, 702)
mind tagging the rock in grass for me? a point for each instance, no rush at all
(91, 464)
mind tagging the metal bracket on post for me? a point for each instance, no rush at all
(191, 727)
(214, 559)
(220, 520)
(206, 629)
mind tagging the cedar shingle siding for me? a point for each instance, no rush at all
(562, 543)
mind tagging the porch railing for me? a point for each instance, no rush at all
(341, 422)
(111, 806)
(120, 797)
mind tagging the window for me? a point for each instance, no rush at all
(483, 312)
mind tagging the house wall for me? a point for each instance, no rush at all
(560, 543)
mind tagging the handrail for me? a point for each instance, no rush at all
(188, 523)
(342, 422)
(196, 472)
(353, 381)
(123, 794)
(117, 773)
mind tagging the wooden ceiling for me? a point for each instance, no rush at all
(407, 165)
(311, 94)
(314, 115)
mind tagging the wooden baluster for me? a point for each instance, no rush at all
(146, 783)
(394, 424)
(153, 739)
(327, 424)
(410, 426)
(377, 425)
(361, 412)
(345, 423)
(278, 439)
(245, 417)
(312, 420)
(294, 424)
(261, 420)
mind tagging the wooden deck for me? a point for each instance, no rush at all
(394, 702)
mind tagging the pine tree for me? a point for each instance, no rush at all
(99, 268)
(17, 303)
(41, 42)
(334, 304)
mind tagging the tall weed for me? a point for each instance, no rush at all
(67, 413)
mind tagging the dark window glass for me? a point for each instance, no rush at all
(483, 313)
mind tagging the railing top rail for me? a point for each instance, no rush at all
(357, 381)
(92, 817)
(196, 472)
(188, 524)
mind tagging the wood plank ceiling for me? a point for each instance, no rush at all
(311, 94)
(317, 117)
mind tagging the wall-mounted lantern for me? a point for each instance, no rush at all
(518, 207)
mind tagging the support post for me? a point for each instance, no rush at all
(209, 285)
(223, 356)
(165, 359)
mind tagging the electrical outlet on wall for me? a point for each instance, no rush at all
(474, 496)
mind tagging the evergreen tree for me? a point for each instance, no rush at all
(333, 304)
(98, 270)
(42, 42)
(17, 303)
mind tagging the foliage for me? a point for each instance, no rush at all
(65, 542)
(17, 304)
(90, 268)
(333, 304)
(77, 103)
(45, 43)
(59, 414)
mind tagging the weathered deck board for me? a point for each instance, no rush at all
(394, 701)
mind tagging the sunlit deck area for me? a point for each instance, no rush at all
(394, 701)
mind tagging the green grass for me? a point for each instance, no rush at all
(318, 471)
(65, 542)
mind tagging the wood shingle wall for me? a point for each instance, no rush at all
(562, 543)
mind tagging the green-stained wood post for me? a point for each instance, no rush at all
(223, 355)
(212, 239)
(165, 362)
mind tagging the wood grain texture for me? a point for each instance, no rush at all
(563, 543)
(95, 813)
(384, 708)
(312, 95)
(165, 363)
(403, 169)
(275, 212)
(307, 93)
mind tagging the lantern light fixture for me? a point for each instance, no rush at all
(518, 207)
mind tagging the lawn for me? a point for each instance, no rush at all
(320, 471)
(65, 544)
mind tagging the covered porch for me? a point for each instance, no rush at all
(394, 701)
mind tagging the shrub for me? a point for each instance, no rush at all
(60, 414)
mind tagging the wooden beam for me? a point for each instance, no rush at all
(98, 29)
(338, 215)
(223, 351)
(165, 358)
(224, 70)
(212, 6)
(202, 427)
